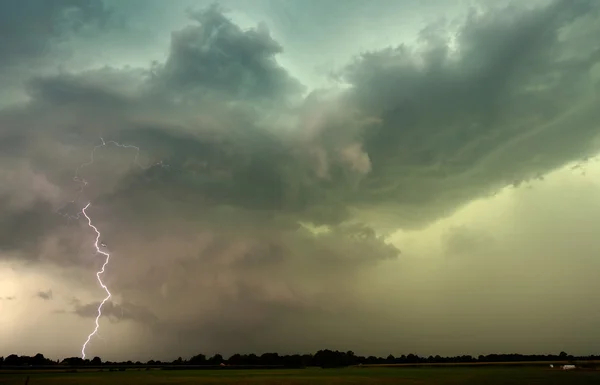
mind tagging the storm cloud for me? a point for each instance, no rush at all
(254, 201)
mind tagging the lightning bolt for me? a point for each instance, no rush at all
(83, 183)
(100, 272)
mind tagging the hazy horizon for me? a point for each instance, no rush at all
(393, 176)
(267, 358)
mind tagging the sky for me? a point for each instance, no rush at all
(391, 176)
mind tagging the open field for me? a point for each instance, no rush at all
(400, 375)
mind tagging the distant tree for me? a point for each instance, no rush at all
(372, 360)
(236, 359)
(12, 360)
(217, 359)
(270, 359)
(294, 361)
(74, 361)
(199, 359)
(351, 358)
(251, 359)
(333, 359)
(324, 358)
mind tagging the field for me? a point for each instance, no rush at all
(315, 376)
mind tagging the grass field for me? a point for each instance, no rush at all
(410, 376)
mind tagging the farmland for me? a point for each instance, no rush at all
(424, 375)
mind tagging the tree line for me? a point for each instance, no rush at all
(323, 358)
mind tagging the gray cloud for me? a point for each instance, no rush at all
(45, 295)
(24, 229)
(29, 27)
(116, 312)
(40, 33)
(217, 56)
(464, 240)
(219, 240)
(503, 102)
(480, 103)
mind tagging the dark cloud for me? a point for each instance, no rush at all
(10, 298)
(241, 273)
(377, 149)
(36, 37)
(24, 229)
(218, 57)
(116, 312)
(460, 122)
(30, 27)
(45, 295)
